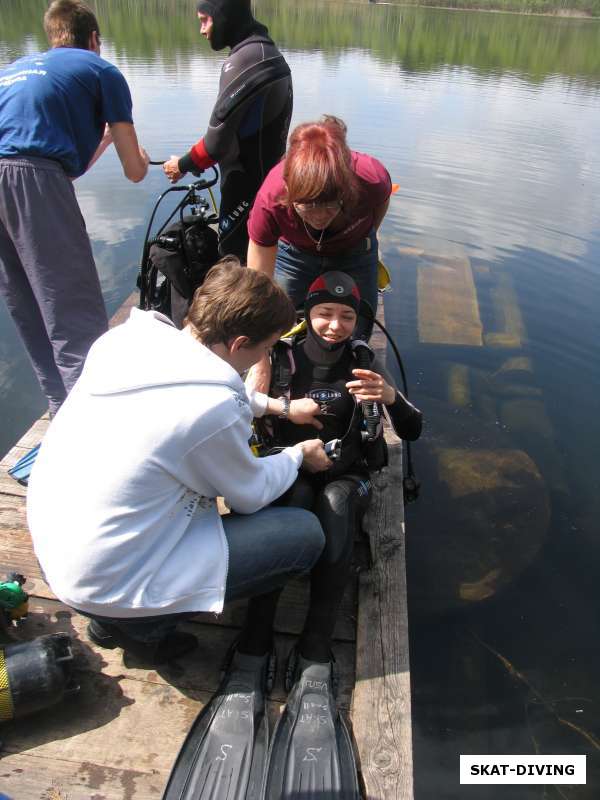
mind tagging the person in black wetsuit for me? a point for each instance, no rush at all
(324, 387)
(248, 127)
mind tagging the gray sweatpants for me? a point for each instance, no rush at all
(48, 277)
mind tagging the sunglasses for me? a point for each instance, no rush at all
(329, 205)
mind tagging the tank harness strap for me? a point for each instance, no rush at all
(283, 367)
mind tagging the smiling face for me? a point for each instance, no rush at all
(206, 25)
(333, 322)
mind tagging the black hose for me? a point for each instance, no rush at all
(411, 484)
(370, 409)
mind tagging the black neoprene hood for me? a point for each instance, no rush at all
(330, 287)
(232, 22)
(333, 287)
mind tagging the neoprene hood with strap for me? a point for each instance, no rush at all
(232, 22)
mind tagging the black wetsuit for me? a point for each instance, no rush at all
(249, 124)
(339, 497)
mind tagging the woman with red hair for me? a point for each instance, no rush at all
(319, 210)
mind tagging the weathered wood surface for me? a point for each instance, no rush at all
(120, 734)
(381, 708)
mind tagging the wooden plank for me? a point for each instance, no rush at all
(510, 331)
(13, 455)
(31, 776)
(12, 513)
(35, 434)
(448, 310)
(9, 485)
(122, 314)
(30, 439)
(381, 710)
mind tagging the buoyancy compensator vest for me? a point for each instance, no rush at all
(295, 376)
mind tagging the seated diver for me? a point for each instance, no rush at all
(316, 380)
(316, 383)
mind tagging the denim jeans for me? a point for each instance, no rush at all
(266, 550)
(296, 269)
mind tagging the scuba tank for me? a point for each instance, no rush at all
(35, 675)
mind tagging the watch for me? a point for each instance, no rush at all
(286, 407)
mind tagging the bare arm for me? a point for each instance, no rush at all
(105, 142)
(133, 157)
(258, 378)
(262, 259)
(379, 213)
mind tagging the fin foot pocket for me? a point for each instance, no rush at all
(311, 753)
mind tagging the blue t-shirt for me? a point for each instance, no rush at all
(56, 104)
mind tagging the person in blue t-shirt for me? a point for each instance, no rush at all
(60, 110)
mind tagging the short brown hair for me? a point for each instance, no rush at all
(70, 23)
(318, 164)
(238, 301)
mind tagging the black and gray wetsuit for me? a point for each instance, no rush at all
(249, 124)
(340, 496)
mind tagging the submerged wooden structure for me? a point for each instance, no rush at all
(117, 738)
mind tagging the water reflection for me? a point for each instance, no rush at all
(489, 123)
(415, 39)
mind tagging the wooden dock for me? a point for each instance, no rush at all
(117, 738)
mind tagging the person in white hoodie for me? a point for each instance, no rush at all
(122, 498)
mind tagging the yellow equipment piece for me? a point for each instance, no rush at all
(299, 327)
(384, 282)
(6, 703)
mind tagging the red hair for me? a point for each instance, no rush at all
(318, 164)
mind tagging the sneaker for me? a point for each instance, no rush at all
(172, 646)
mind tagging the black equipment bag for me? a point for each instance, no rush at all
(175, 262)
(175, 266)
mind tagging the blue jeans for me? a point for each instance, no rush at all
(266, 550)
(296, 269)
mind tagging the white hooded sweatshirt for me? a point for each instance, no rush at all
(121, 502)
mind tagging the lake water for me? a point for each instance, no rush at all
(489, 122)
